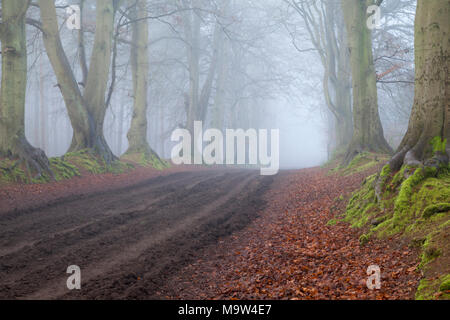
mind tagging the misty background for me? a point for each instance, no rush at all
(269, 75)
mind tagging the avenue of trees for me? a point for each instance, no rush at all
(136, 70)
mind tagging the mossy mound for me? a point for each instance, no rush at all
(335, 159)
(146, 160)
(413, 203)
(87, 161)
(12, 171)
(434, 289)
(362, 162)
(66, 167)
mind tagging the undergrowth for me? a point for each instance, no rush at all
(413, 203)
(146, 160)
(70, 165)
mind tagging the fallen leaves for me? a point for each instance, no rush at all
(291, 253)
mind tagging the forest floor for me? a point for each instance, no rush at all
(195, 234)
(292, 251)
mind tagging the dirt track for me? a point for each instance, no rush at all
(127, 242)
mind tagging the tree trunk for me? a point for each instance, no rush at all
(79, 117)
(13, 142)
(86, 113)
(43, 108)
(137, 135)
(205, 94)
(327, 32)
(98, 75)
(222, 73)
(198, 99)
(192, 30)
(344, 124)
(367, 128)
(429, 123)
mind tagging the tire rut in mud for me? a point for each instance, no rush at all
(127, 243)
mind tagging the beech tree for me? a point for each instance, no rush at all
(426, 140)
(197, 100)
(324, 24)
(87, 110)
(137, 135)
(367, 129)
(13, 142)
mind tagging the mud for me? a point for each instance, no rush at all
(128, 242)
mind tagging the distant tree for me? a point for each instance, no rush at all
(367, 129)
(324, 24)
(139, 57)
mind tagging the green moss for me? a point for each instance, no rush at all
(402, 205)
(414, 204)
(425, 291)
(11, 171)
(438, 144)
(435, 208)
(87, 161)
(361, 206)
(420, 195)
(397, 179)
(63, 169)
(445, 283)
(17, 174)
(429, 254)
(332, 222)
(92, 163)
(434, 289)
(70, 165)
(358, 160)
(386, 171)
(159, 163)
(362, 162)
(363, 239)
(146, 160)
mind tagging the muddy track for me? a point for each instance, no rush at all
(127, 242)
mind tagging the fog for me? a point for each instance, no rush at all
(255, 62)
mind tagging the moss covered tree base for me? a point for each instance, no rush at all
(33, 160)
(97, 146)
(145, 157)
(360, 163)
(412, 203)
(72, 164)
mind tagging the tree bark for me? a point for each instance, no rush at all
(430, 115)
(367, 128)
(192, 31)
(344, 121)
(86, 113)
(75, 104)
(205, 94)
(137, 135)
(98, 75)
(219, 99)
(324, 23)
(13, 142)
